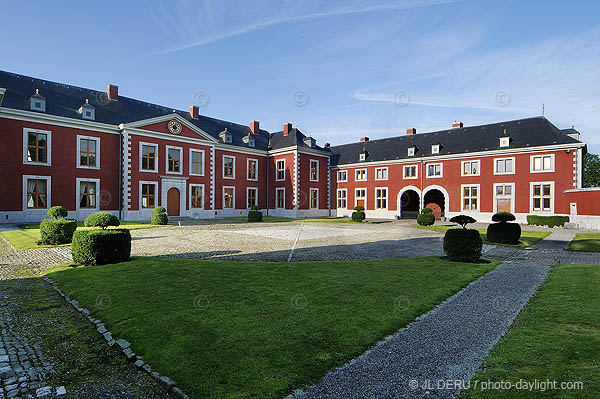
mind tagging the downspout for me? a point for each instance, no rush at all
(268, 178)
(421, 199)
(120, 173)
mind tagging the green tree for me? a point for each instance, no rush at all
(591, 170)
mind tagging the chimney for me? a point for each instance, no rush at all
(113, 92)
(327, 145)
(254, 126)
(412, 130)
(286, 128)
(364, 139)
(457, 125)
(194, 111)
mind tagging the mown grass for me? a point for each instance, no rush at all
(586, 242)
(556, 337)
(256, 329)
(528, 237)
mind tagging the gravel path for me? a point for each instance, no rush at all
(448, 343)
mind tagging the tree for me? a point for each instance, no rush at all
(591, 170)
(463, 220)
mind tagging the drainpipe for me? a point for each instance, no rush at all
(268, 177)
(421, 199)
(120, 172)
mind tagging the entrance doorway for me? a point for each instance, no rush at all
(434, 199)
(173, 202)
(409, 204)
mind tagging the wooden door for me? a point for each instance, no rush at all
(504, 204)
(173, 202)
(360, 202)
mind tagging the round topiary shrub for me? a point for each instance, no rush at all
(159, 209)
(427, 210)
(359, 214)
(57, 231)
(102, 220)
(58, 212)
(99, 247)
(426, 217)
(463, 245)
(503, 232)
(503, 217)
(255, 215)
(159, 216)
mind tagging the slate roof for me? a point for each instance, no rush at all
(530, 132)
(65, 100)
(294, 138)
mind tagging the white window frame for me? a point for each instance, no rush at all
(552, 197)
(48, 192)
(312, 190)
(386, 198)
(406, 167)
(512, 196)
(532, 162)
(248, 169)
(462, 167)
(345, 171)
(223, 167)
(156, 201)
(92, 112)
(142, 143)
(434, 176)
(181, 166)
(91, 138)
(362, 156)
(42, 102)
(277, 190)
(277, 169)
(513, 159)
(192, 151)
(435, 149)
(411, 151)
(78, 182)
(462, 197)
(190, 196)
(345, 199)
(504, 142)
(356, 197)
(356, 172)
(386, 173)
(310, 170)
(223, 197)
(247, 190)
(48, 134)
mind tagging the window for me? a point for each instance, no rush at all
(228, 167)
(174, 159)
(37, 193)
(360, 175)
(362, 156)
(87, 195)
(381, 173)
(280, 198)
(342, 175)
(411, 151)
(228, 197)
(410, 172)
(504, 166)
(251, 197)
(252, 169)
(360, 197)
(280, 170)
(148, 158)
(88, 149)
(196, 196)
(504, 141)
(87, 111)
(435, 149)
(381, 198)
(314, 170)
(542, 163)
(314, 198)
(342, 198)
(470, 196)
(504, 197)
(148, 195)
(434, 170)
(196, 162)
(225, 136)
(542, 197)
(36, 147)
(470, 168)
(37, 102)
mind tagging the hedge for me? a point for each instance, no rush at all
(550, 221)
(159, 218)
(426, 219)
(57, 231)
(99, 247)
(463, 245)
(358, 216)
(504, 233)
(102, 220)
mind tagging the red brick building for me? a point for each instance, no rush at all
(89, 150)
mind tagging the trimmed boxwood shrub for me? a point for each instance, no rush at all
(550, 221)
(503, 232)
(58, 212)
(159, 216)
(102, 220)
(359, 214)
(463, 245)
(57, 231)
(503, 217)
(99, 247)
(255, 215)
(426, 217)
(159, 209)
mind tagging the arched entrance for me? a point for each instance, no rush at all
(409, 204)
(435, 200)
(173, 202)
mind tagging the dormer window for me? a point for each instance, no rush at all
(37, 102)
(411, 151)
(88, 111)
(362, 156)
(225, 136)
(249, 140)
(504, 141)
(309, 142)
(435, 149)
(2, 91)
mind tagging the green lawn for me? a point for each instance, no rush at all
(528, 238)
(556, 337)
(255, 329)
(586, 242)
(30, 235)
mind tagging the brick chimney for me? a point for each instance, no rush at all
(457, 125)
(287, 127)
(113, 92)
(254, 126)
(412, 130)
(364, 138)
(194, 111)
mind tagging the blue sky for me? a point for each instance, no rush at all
(338, 70)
